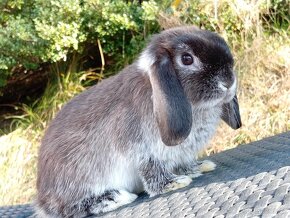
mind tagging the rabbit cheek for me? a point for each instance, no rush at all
(202, 95)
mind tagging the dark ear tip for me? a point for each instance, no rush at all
(239, 125)
(176, 137)
(173, 141)
(231, 114)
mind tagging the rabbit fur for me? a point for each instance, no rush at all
(140, 130)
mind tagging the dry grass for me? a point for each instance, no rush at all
(18, 152)
(264, 95)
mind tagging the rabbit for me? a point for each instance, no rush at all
(140, 130)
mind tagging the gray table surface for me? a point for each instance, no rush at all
(252, 180)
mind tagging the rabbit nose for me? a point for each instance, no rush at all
(224, 86)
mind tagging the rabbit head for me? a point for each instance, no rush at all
(189, 69)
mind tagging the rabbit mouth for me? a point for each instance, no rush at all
(229, 92)
(229, 96)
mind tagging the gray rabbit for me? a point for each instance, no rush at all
(140, 130)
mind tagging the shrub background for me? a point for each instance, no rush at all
(84, 41)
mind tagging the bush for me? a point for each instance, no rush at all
(37, 31)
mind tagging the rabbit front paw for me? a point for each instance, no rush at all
(206, 166)
(197, 169)
(176, 183)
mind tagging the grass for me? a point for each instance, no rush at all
(262, 64)
(18, 152)
(18, 149)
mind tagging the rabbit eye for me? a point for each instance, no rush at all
(187, 59)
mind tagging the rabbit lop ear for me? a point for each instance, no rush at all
(231, 113)
(171, 107)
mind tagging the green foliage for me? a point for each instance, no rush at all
(37, 31)
(120, 26)
(58, 24)
(239, 22)
(277, 17)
